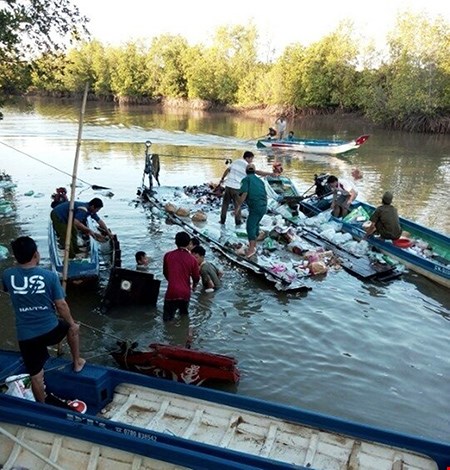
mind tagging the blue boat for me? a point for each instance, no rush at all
(317, 146)
(146, 415)
(85, 267)
(32, 438)
(434, 264)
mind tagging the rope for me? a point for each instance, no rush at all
(51, 166)
(101, 331)
(30, 449)
(227, 161)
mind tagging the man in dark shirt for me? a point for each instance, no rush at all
(179, 267)
(384, 221)
(81, 211)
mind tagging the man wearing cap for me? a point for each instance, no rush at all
(384, 221)
(234, 174)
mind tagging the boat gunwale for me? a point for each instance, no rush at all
(61, 373)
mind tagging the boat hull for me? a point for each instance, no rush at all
(181, 364)
(83, 269)
(236, 429)
(323, 147)
(434, 270)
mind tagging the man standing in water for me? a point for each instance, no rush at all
(179, 267)
(234, 174)
(254, 192)
(37, 297)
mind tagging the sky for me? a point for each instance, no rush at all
(278, 23)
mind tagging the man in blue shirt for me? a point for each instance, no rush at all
(81, 211)
(37, 297)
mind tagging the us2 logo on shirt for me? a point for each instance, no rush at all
(31, 285)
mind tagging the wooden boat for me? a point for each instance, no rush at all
(86, 266)
(283, 190)
(218, 237)
(27, 447)
(431, 260)
(317, 146)
(178, 363)
(36, 438)
(142, 414)
(429, 254)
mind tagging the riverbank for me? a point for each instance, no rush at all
(257, 112)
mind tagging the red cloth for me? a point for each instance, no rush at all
(179, 267)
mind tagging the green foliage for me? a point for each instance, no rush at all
(166, 65)
(328, 71)
(129, 71)
(88, 63)
(31, 26)
(413, 87)
(15, 78)
(407, 88)
(215, 74)
(48, 72)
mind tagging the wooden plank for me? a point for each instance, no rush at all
(196, 420)
(56, 448)
(231, 429)
(93, 458)
(361, 267)
(266, 448)
(311, 450)
(159, 415)
(124, 408)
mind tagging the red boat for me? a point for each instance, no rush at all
(178, 363)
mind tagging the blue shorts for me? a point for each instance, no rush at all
(34, 351)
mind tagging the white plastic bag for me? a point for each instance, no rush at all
(20, 386)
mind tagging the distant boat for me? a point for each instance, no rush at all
(166, 419)
(317, 146)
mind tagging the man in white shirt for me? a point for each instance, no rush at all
(344, 193)
(281, 126)
(234, 174)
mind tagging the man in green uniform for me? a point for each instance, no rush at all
(384, 221)
(254, 192)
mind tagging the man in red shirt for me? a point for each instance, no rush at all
(179, 267)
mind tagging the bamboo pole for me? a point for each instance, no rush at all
(72, 199)
(72, 191)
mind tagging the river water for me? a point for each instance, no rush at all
(366, 351)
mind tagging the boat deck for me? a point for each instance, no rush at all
(28, 448)
(253, 433)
